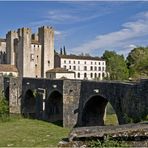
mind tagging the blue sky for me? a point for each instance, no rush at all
(82, 26)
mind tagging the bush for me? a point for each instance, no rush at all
(4, 108)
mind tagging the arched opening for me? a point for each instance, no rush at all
(29, 104)
(54, 107)
(110, 117)
(94, 112)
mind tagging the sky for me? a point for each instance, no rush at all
(82, 26)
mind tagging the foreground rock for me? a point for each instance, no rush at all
(135, 135)
(126, 131)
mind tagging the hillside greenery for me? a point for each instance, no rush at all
(134, 67)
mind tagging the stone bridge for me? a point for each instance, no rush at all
(76, 103)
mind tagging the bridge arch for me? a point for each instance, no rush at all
(54, 106)
(29, 104)
(94, 110)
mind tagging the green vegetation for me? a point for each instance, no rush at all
(134, 67)
(116, 66)
(107, 143)
(111, 119)
(137, 62)
(4, 109)
(30, 133)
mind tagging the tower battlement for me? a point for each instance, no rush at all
(30, 53)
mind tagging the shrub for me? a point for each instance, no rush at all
(4, 108)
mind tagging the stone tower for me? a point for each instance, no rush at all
(46, 39)
(23, 52)
(10, 50)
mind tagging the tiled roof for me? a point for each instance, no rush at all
(59, 70)
(35, 42)
(8, 68)
(80, 57)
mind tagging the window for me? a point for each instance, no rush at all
(85, 67)
(95, 68)
(91, 68)
(65, 61)
(85, 75)
(32, 57)
(78, 75)
(95, 63)
(69, 62)
(74, 62)
(85, 62)
(102, 68)
(99, 75)
(70, 67)
(91, 63)
(48, 63)
(74, 67)
(95, 75)
(91, 75)
(99, 68)
(78, 62)
(65, 66)
(78, 67)
(103, 75)
(99, 63)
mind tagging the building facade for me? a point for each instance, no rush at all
(85, 67)
(2, 51)
(32, 54)
(60, 73)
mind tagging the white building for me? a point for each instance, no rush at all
(85, 67)
(60, 73)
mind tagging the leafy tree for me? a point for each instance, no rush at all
(116, 66)
(137, 62)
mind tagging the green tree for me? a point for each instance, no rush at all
(61, 51)
(137, 62)
(64, 50)
(116, 66)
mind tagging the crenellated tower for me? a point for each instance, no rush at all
(23, 52)
(10, 49)
(46, 39)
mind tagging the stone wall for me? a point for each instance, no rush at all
(129, 100)
(15, 92)
(71, 98)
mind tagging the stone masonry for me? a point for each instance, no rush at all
(78, 103)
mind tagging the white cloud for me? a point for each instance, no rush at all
(56, 32)
(119, 39)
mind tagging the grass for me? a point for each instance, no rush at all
(111, 119)
(30, 133)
